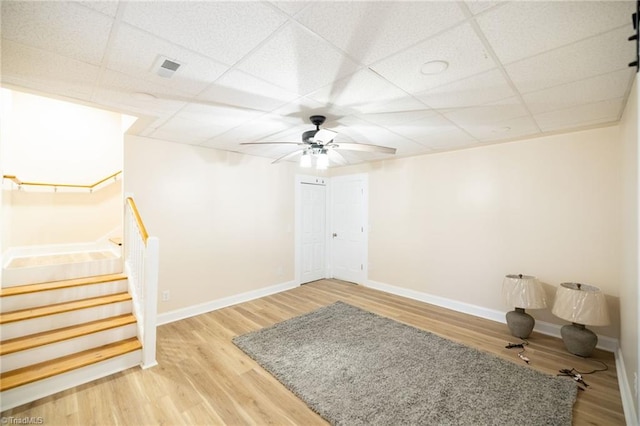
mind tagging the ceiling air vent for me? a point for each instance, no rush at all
(166, 67)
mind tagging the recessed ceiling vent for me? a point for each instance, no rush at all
(166, 67)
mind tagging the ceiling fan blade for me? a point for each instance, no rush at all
(363, 147)
(336, 157)
(272, 143)
(324, 136)
(287, 156)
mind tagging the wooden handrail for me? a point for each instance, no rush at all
(136, 215)
(17, 181)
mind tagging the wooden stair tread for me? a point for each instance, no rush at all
(54, 285)
(43, 370)
(52, 336)
(24, 314)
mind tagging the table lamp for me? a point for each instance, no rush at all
(582, 305)
(522, 292)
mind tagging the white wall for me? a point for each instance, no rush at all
(48, 140)
(453, 224)
(52, 141)
(224, 220)
(630, 282)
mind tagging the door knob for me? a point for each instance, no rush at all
(335, 235)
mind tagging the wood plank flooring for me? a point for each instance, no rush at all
(202, 378)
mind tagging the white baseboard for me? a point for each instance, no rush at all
(626, 394)
(605, 343)
(213, 305)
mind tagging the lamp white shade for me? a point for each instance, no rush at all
(523, 291)
(581, 304)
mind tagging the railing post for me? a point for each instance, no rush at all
(151, 264)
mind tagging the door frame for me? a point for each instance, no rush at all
(328, 182)
(313, 180)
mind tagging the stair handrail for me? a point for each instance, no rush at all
(141, 254)
(90, 187)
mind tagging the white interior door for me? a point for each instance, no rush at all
(312, 227)
(349, 228)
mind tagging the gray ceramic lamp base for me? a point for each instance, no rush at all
(578, 340)
(520, 323)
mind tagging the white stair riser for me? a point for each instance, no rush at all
(45, 273)
(50, 322)
(46, 298)
(66, 347)
(24, 394)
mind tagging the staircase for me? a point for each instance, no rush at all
(59, 334)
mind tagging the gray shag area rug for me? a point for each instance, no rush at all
(354, 367)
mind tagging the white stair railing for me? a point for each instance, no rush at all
(141, 262)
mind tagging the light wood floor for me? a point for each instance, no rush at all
(202, 378)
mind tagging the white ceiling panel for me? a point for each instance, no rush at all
(363, 92)
(476, 90)
(298, 61)
(370, 31)
(586, 58)
(40, 70)
(109, 8)
(256, 70)
(459, 47)
(68, 29)
(521, 29)
(479, 6)
(504, 130)
(493, 112)
(136, 52)
(117, 90)
(607, 86)
(448, 139)
(225, 31)
(607, 111)
(243, 90)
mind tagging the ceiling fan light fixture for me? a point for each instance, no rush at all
(434, 67)
(305, 160)
(322, 162)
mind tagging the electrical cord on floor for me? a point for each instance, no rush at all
(577, 375)
(521, 346)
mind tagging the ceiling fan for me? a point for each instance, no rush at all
(319, 143)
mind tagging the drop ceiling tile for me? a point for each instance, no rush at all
(394, 118)
(136, 52)
(460, 47)
(109, 8)
(581, 115)
(490, 113)
(298, 61)
(365, 92)
(479, 89)
(225, 31)
(607, 86)
(255, 130)
(504, 130)
(187, 131)
(587, 58)
(521, 29)
(67, 29)
(449, 139)
(369, 31)
(243, 90)
(422, 129)
(116, 90)
(302, 108)
(47, 72)
(216, 118)
(291, 7)
(479, 6)
(355, 130)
